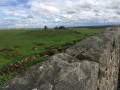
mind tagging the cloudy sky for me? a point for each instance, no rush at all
(37, 13)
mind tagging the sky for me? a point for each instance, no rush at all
(38, 13)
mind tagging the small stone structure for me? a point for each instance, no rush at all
(45, 27)
(95, 69)
(56, 27)
(62, 27)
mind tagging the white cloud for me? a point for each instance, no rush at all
(57, 19)
(77, 10)
(15, 12)
(64, 12)
(44, 9)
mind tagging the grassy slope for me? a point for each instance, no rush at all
(25, 39)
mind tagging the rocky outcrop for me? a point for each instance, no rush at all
(95, 69)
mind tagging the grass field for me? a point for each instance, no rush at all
(16, 45)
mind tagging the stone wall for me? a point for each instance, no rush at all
(103, 49)
(95, 69)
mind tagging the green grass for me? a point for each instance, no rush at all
(25, 39)
(7, 77)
